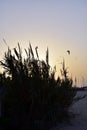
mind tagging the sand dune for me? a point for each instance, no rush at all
(80, 120)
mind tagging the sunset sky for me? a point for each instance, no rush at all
(60, 25)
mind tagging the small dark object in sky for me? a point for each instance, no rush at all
(68, 51)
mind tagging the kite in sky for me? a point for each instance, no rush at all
(68, 51)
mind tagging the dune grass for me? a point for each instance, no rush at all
(32, 92)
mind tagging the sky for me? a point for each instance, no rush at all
(60, 25)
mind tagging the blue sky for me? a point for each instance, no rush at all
(58, 24)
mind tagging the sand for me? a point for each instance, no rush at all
(80, 120)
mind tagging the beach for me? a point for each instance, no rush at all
(79, 122)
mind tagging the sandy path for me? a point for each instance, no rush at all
(80, 121)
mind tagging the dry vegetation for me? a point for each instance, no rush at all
(32, 93)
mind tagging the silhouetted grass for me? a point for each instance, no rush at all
(33, 95)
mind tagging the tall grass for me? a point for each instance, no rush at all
(33, 93)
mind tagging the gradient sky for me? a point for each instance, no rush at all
(57, 24)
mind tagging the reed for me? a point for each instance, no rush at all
(33, 93)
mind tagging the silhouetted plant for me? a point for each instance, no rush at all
(33, 93)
